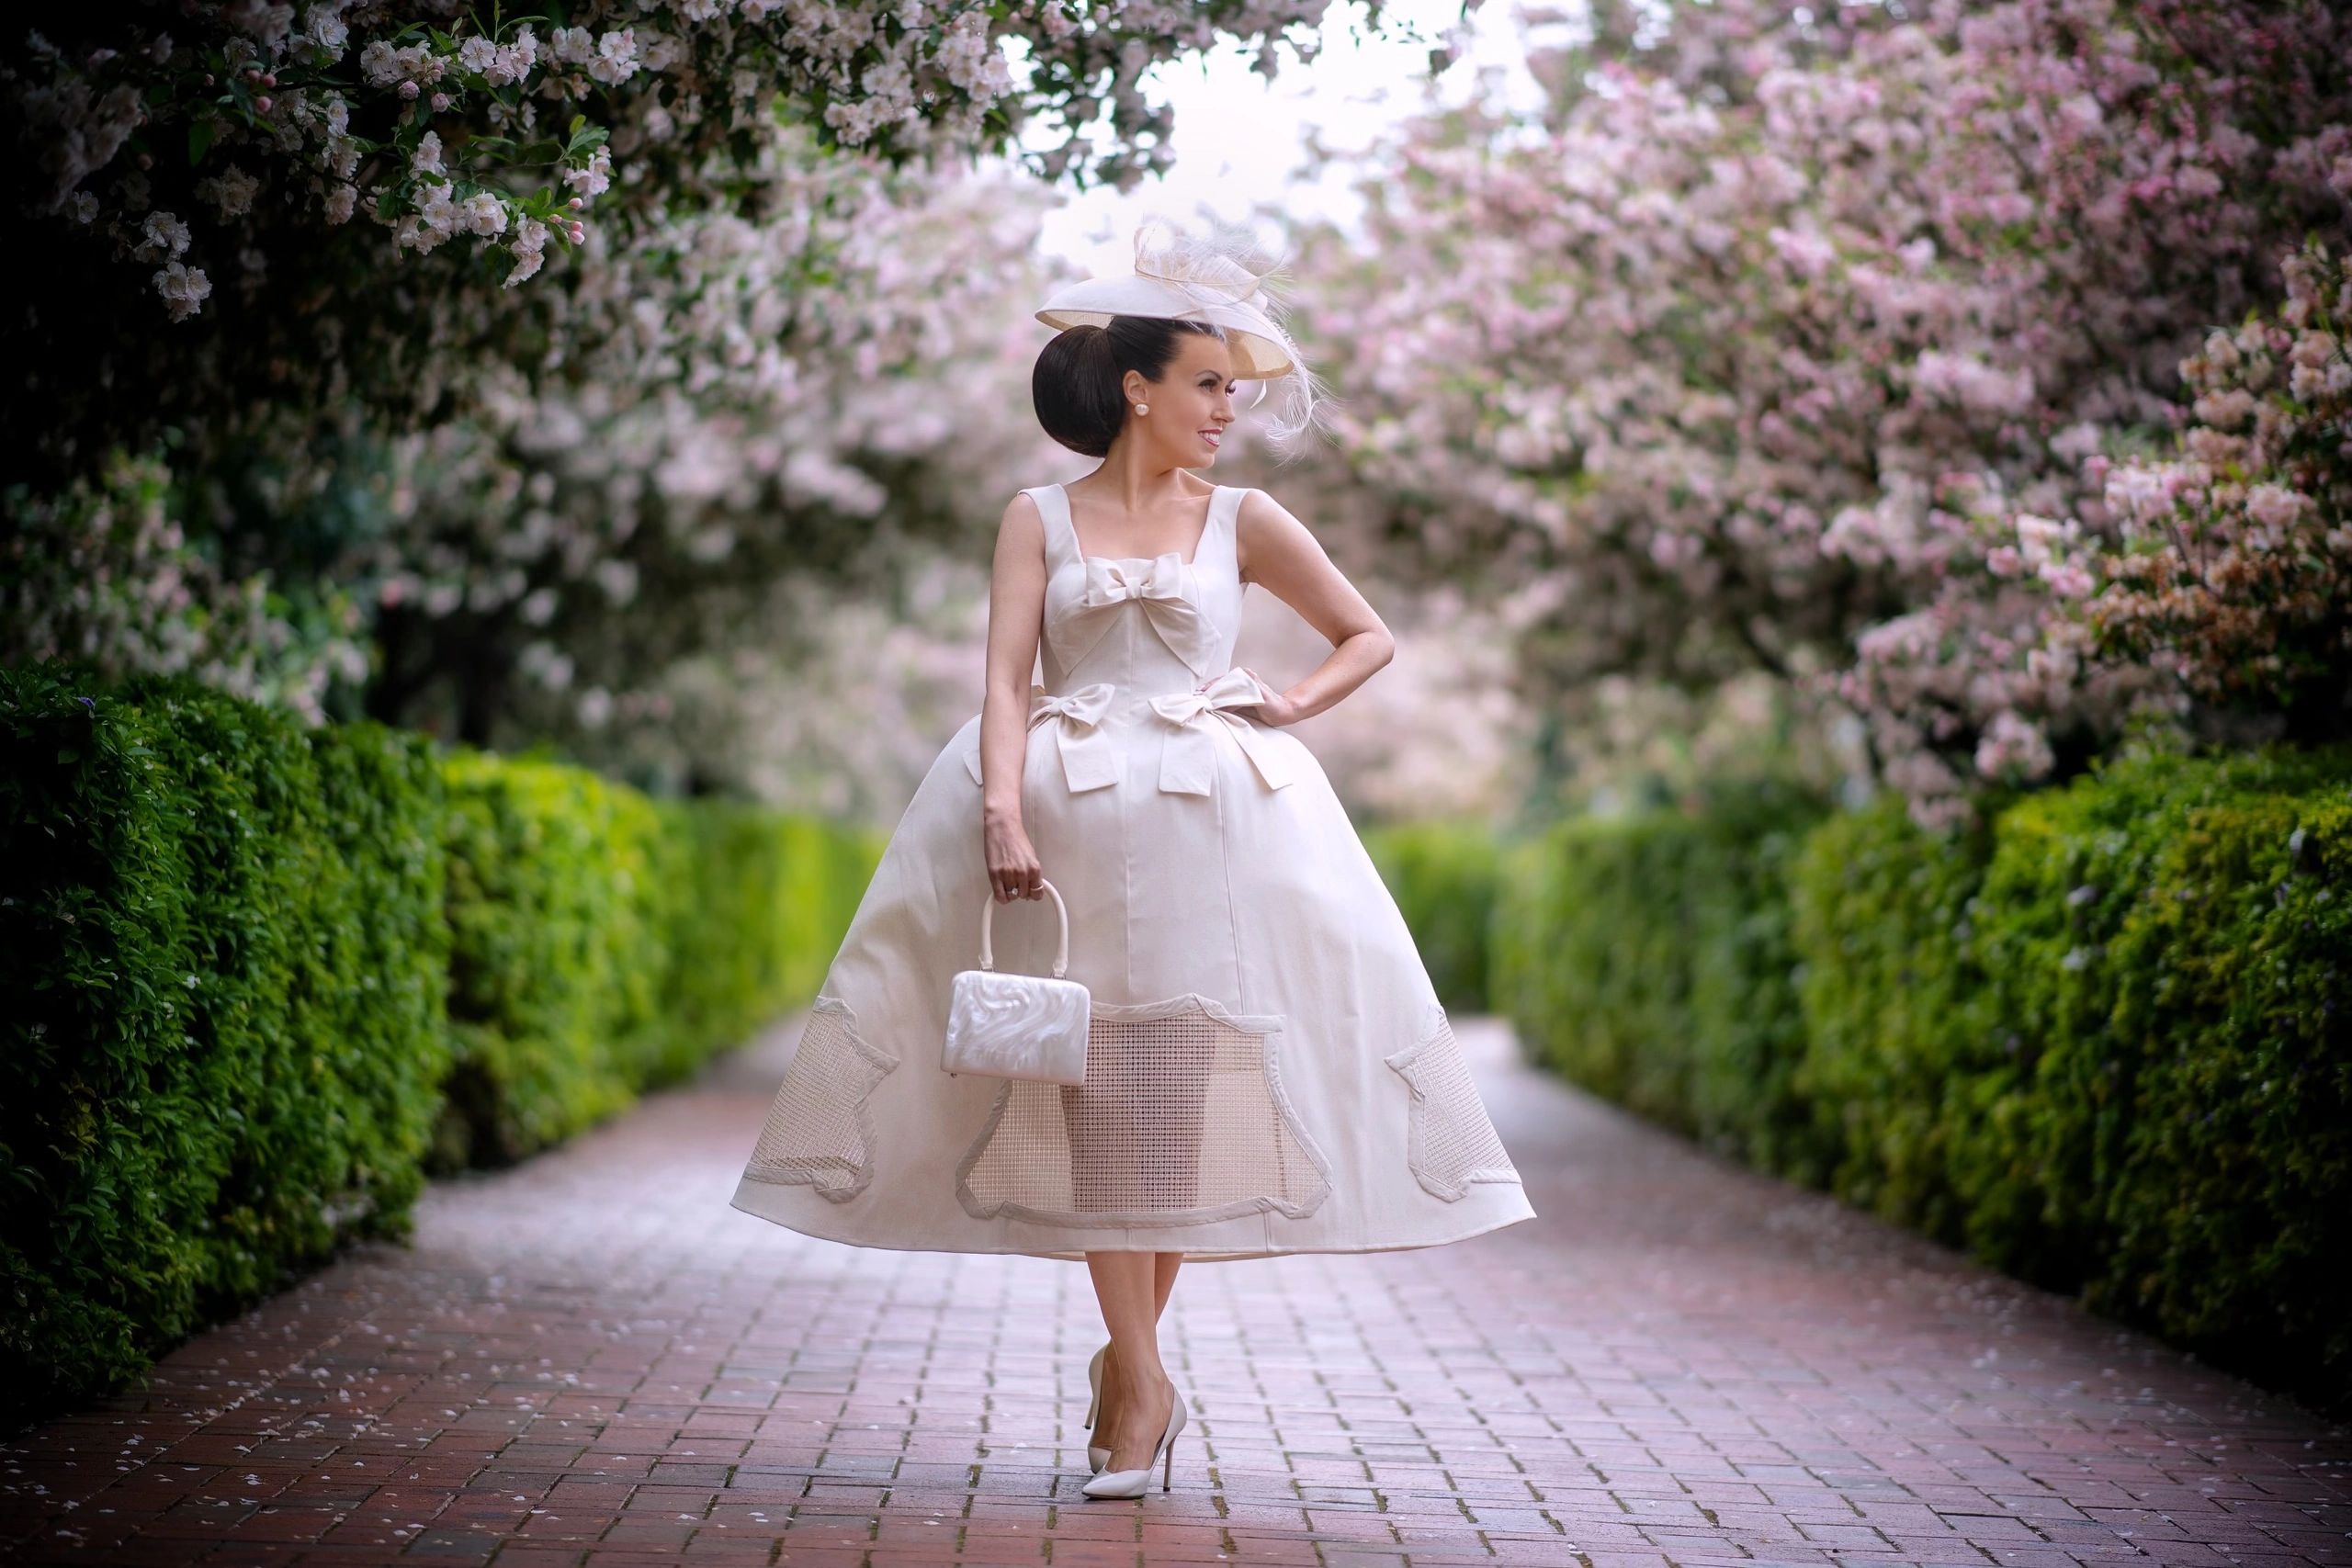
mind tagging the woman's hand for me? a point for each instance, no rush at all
(1014, 871)
(1276, 708)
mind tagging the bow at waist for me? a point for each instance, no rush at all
(1188, 757)
(1090, 756)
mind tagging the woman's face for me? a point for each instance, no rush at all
(1190, 405)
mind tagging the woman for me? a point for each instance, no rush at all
(1268, 1068)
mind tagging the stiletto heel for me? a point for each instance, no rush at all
(1097, 1456)
(1132, 1483)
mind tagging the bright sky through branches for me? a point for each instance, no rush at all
(1241, 140)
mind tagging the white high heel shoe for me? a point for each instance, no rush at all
(1097, 1456)
(1131, 1483)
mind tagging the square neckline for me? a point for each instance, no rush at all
(1069, 521)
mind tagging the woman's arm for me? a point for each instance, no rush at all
(1016, 612)
(1016, 615)
(1276, 550)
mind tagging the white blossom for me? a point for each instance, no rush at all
(184, 289)
(530, 248)
(595, 178)
(571, 46)
(163, 236)
(615, 58)
(264, 19)
(324, 31)
(231, 191)
(483, 214)
(513, 62)
(972, 59)
(378, 64)
(434, 219)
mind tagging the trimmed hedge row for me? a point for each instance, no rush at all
(1649, 958)
(1445, 875)
(262, 978)
(220, 945)
(2106, 1045)
(2105, 1042)
(607, 942)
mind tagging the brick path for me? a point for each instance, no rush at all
(592, 1359)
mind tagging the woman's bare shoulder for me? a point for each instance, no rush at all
(1261, 516)
(1265, 528)
(1021, 532)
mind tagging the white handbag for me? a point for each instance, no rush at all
(1014, 1025)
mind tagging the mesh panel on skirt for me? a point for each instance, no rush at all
(1449, 1141)
(819, 1132)
(1182, 1118)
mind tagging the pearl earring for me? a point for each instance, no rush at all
(1143, 408)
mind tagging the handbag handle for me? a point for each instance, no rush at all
(987, 916)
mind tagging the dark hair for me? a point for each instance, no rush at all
(1075, 386)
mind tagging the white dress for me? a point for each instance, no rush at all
(1269, 1069)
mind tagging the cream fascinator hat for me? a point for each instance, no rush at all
(1215, 278)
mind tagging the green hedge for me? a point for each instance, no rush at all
(263, 977)
(220, 943)
(2102, 1041)
(2108, 1045)
(560, 886)
(1445, 876)
(607, 942)
(773, 895)
(1648, 958)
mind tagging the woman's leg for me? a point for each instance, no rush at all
(1163, 1285)
(1163, 1279)
(1133, 1287)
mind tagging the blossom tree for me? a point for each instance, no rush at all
(448, 339)
(1756, 339)
(2225, 570)
(802, 387)
(342, 201)
(790, 401)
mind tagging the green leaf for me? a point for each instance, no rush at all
(199, 139)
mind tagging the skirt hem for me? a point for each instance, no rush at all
(782, 1209)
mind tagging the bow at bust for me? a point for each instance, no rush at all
(1110, 579)
(1159, 584)
(1187, 756)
